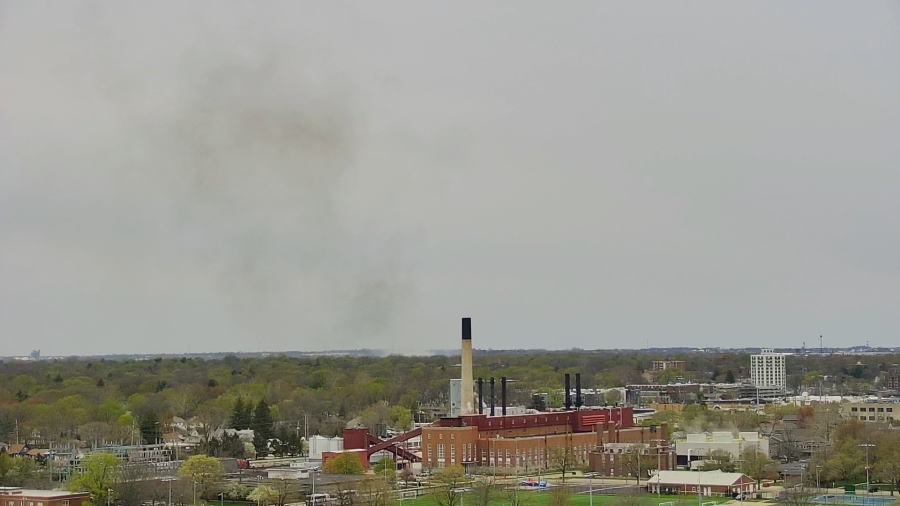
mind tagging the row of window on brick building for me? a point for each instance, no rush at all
(535, 456)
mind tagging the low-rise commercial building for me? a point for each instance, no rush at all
(875, 411)
(698, 446)
(709, 483)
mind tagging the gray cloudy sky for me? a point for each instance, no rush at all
(226, 176)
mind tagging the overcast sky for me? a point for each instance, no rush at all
(233, 176)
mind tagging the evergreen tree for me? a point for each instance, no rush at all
(149, 426)
(239, 420)
(262, 425)
(247, 415)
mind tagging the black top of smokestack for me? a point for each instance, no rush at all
(467, 329)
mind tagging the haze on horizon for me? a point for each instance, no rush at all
(233, 176)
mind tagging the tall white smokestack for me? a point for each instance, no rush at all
(467, 387)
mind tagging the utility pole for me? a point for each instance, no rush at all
(658, 463)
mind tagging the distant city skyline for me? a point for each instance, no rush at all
(281, 176)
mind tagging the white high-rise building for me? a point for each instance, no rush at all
(768, 369)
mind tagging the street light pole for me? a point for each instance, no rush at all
(818, 487)
(699, 478)
(867, 446)
(590, 489)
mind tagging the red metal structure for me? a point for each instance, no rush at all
(361, 439)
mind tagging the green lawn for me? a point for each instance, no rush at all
(529, 498)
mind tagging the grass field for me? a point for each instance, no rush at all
(527, 498)
(535, 498)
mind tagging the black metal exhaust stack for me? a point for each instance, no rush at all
(480, 396)
(568, 392)
(492, 396)
(503, 395)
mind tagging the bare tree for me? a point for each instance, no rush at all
(374, 492)
(483, 491)
(344, 493)
(284, 490)
(636, 462)
(450, 482)
(133, 483)
(787, 448)
(562, 458)
(719, 459)
(514, 498)
(559, 496)
(800, 495)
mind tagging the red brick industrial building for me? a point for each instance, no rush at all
(532, 441)
(17, 496)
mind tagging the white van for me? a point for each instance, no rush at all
(318, 499)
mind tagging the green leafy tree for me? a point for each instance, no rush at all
(887, 458)
(263, 494)
(100, 471)
(237, 492)
(345, 463)
(755, 464)
(401, 418)
(203, 470)
(385, 466)
(846, 461)
(17, 471)
(612, 397)
(6, 464)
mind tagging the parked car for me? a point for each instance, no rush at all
(873, 488)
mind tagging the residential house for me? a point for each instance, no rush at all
(17, 449)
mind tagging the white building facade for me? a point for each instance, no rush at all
(699, 446)
(768, 369)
